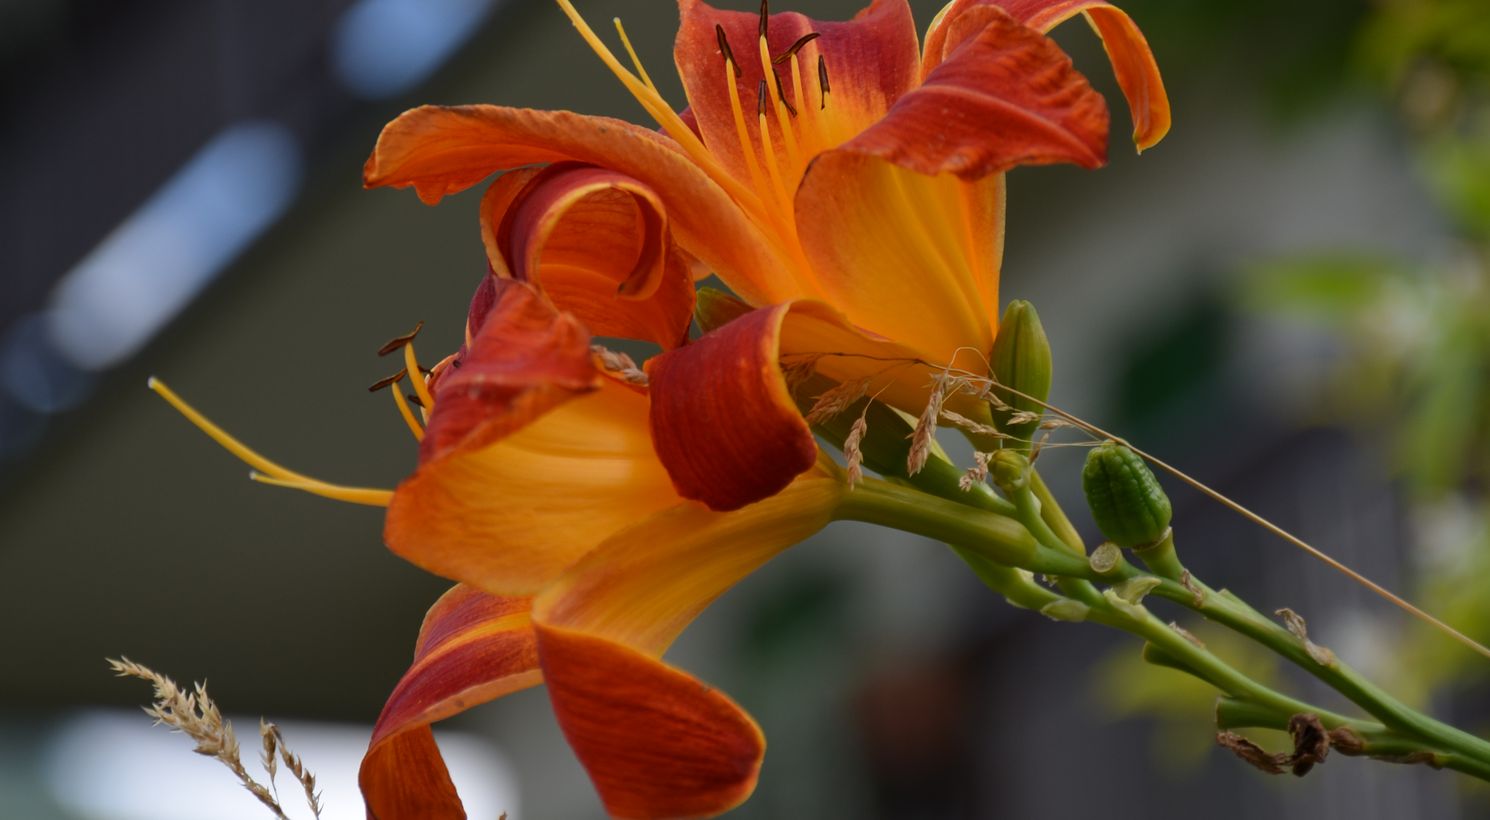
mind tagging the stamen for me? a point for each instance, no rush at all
(771, 167)
(408, 415)
(386, 381)
(729, 55)
(741, 132)
(420, 386)
(788, 135)
(354, 495)
(796, 47)
(765, 17)
(414, 400)
(781, 95)
(635, 60)
(399, 341)
(663, 114)
(822, 81)
(812, 134)
(351, 495)
(760, 100)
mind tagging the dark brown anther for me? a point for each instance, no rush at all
(822, 79)
(765, 16)
(729, 56)
(781, 94)
(414, 400)
(796, 47)
(384, 382)
(397, 343)
(760, 100)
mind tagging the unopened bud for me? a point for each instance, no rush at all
(1009, 471)
(714, 308)
(1126, 500)
(1021, 362)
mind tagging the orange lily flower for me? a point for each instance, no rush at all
(848, 185)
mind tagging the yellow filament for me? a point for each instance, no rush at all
(741, 132)
(662, 113)
(351, 495)
(812, 138)
(421, 389)
(782, 199)
(408, 414)
(793, 155)
(354, 495)
(635, 60)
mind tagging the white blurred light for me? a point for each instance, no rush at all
(386, 47)
(113, 765)
(149, 267)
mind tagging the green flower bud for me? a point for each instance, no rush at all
(1021, 360)
(1010, 471)
(1126, 500)
(714, 308)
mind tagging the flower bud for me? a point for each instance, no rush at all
(1126, 500)
(1021, 360)
(1009, 470)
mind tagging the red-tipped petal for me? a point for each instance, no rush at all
(440, 151)
(598, 244)
(1006, 96)
(656, 741)
(472, 648)
(1132, 60)
(871, 60)
(723, 420)
(524, 359)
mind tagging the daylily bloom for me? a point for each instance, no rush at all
(848, 186)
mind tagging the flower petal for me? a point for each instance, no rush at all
(656, 741)
(722, 417)
(472, 648)
(598, 244)
(724, 420)
(910, 257)
(872, 61)
(440, 150)
(510, 516)
(1006, 96)
(524, 358)
(1132, 61)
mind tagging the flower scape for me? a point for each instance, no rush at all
(845, 181)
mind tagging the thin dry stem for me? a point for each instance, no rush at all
(197, 716)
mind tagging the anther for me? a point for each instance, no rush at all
(414, 400)
(385, 382)
(781, 93)
(398, 342)
(765, 16)
(760, 99)
(729, 56)
(822, 79)
(796, 47)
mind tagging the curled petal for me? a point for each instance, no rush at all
(442, 150)
(722, 417)
(656, 741)
(1132, 61)
(598, 244)
(724, 420)
(872, 60)
(909, 257)
(1006, 96)
(472, 648)
(524, 358)
(510, 516)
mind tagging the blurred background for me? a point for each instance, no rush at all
(1289, 297)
